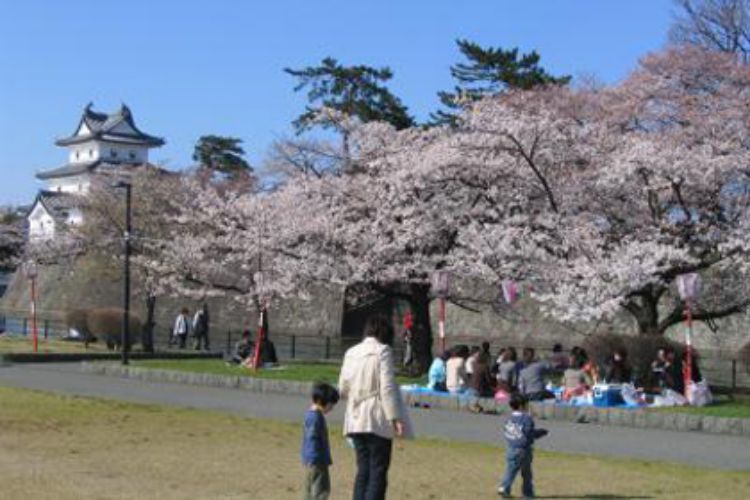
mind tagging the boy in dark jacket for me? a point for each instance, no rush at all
(520, 435)
(316, 451)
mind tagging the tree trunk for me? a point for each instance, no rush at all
(419, 300)
(147, 336)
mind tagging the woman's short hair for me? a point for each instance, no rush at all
(380, 328)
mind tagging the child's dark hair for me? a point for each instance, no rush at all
(324, 394)
(517, 401)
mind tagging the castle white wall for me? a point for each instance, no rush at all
(41, 224)
(76, 184)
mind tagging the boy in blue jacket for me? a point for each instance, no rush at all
(316, 451)
(520, 435)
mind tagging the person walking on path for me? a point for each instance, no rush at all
(520, 435)
(316, 450)
(375, 413)
(200, 328)
(181, 328)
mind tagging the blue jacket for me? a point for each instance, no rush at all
(519, 431)
(315, 447)
(436, 374)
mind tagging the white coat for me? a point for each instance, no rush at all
(368, 383)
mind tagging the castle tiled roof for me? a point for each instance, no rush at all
(69, 170)
(56, 203)
(102, 126)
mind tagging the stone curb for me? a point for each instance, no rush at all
(639, 419)
(266, 386)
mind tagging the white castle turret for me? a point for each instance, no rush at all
(100, 142)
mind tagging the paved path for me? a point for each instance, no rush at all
(704, 450)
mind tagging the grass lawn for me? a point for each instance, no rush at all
(722, 407)
(15, 343)
(288, 371)
(64, 447)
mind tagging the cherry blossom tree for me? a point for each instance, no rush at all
(644, 181)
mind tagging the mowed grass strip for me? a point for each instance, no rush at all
(18, 343)
(324, 372)
(64, 447)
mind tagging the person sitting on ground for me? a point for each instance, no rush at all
(619, 371)
(695, 371)
(436, 376)
(507, 371)
(575, 380)
(471, 360)
(657, 368)
(484, 354)
(455, 370)
(587, 365)
(531, 379)
(673, 376)
(498, 360)
(243, 348)
(481, 383)
(558, 359)
(268, 352)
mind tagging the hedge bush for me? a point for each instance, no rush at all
(106, 324)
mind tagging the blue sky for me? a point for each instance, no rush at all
(188, 68)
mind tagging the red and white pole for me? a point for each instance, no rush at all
(441, 324)
(34, 331)
(259, 341)
(688, 368)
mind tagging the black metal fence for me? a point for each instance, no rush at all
(721, 368)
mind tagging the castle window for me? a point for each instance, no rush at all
(78, 154)
(113, 153)
(131, 153)
(91, 153)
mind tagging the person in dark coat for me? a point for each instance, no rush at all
(200, 328)
(618, 370)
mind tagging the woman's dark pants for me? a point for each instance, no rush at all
(373, 460)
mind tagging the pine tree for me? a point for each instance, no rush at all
(489, 71)
(221, 154)
(356, 91)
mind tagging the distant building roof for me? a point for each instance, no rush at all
(104, 127)
(57, 204)
(69, 170)
(97, 166)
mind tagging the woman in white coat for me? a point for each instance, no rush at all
(374, 412)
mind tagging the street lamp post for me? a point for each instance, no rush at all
(125, 340)
(688, 286)
(440, 287)
(32, 273)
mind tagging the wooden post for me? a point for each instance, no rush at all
(293, 347)
(328, 347)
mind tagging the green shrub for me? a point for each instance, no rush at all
(104, 323)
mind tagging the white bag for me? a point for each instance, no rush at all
(672, 398)
(699, 394)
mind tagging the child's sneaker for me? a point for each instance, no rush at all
(503, 492)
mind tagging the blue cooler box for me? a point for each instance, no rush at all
(606, 395)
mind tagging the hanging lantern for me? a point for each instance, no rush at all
(510, 290)
(688, 286)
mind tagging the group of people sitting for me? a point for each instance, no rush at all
(475, 372)
(244, 352)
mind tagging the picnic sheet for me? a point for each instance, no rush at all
(421, 390)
